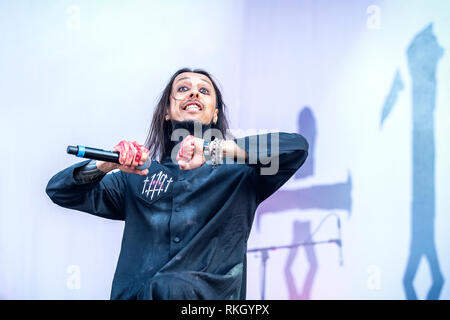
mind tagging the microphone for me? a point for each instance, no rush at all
(99, 154)
(339, 242)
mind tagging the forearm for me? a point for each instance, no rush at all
(90, 172)
(232, 151)
(275, 157)
(84, 187)
(274, 151)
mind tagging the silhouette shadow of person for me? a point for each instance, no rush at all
(335, 196)
(423, 55)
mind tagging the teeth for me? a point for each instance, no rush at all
(192, 107)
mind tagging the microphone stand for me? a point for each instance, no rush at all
(265, 256)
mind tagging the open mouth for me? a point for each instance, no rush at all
(192, 106)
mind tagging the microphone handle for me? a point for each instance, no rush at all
(94, 154)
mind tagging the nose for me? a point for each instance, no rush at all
(194, 93)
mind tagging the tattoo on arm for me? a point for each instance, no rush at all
(88, 173)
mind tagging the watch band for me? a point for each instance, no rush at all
(206, 150)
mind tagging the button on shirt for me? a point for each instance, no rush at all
(186, 231)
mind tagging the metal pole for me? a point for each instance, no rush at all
(264, 257)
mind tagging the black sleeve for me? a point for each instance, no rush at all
(103, 197)
(275, 157)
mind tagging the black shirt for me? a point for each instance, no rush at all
(186, 231)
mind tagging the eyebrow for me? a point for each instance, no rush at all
(184, 78)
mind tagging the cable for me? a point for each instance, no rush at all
(320, 224)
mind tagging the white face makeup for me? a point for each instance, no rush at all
(193, 98)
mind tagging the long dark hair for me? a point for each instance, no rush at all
(158, 139)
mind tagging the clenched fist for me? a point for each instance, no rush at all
(190, 156)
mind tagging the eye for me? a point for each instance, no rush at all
(181, 89)
(204, 91)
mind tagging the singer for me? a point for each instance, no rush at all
(188, 216)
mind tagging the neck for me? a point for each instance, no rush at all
(184, 128)
(180, 129)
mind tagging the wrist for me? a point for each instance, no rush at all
(206, 150)
(216, 152)
(105, 166)
(88, 173)
(228, 149)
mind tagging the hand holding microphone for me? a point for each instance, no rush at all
(126, 156)
(131, 155)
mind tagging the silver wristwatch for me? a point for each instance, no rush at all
(207, 151)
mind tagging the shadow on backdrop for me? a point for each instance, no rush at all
(325, 197)
(301, 232)
(423, 55)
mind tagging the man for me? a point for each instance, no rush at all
(188, 216)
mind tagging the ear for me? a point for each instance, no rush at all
(167, 117)
(216, 112)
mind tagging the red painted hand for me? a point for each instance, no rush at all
(190, 156)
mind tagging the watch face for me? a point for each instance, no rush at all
(206, 150)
